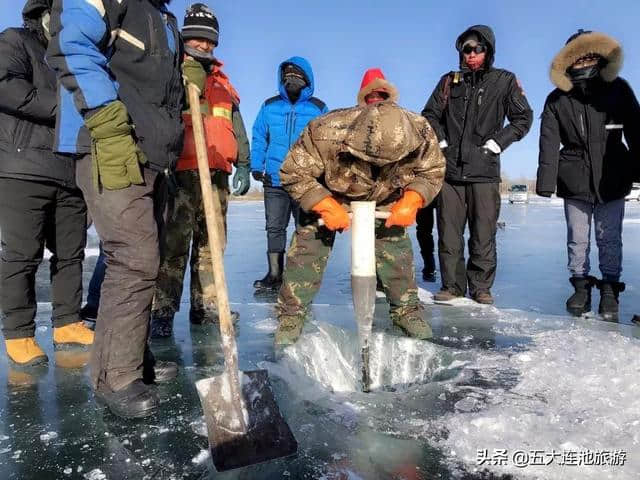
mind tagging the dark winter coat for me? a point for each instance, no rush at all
(128, 50)
(28, 104)
(469, 108)
(582, 155)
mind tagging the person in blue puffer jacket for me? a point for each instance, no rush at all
(279, 123)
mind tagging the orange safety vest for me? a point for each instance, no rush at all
(222, 146)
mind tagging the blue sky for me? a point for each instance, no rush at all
(412, 41)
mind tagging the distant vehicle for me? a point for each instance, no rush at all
(634, 194)
(518, 194)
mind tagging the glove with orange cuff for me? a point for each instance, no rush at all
(333, 214)
(404, 211)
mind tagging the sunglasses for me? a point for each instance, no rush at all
(479, 48)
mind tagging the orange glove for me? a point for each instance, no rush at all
(404, 211)
(333, 214)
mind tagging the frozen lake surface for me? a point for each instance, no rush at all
(519, 390)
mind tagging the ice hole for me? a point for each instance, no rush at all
(330, 356)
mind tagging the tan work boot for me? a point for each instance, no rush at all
(413, 325)
(74, 334)
(25, 352)
(445, 295)
(484, 298)
(289, 329)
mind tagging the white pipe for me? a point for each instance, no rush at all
(363, 241)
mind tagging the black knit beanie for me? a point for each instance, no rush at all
(200, 22)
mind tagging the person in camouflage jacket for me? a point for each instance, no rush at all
(376, 151)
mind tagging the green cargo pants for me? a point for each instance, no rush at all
(307, 259)
(185, 232)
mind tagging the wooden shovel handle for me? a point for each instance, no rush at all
(213, 218)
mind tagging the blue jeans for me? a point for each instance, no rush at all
(278, 208)
(95, 284)
(607, 218)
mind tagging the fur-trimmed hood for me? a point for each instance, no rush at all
(374, 80)
(581, 45)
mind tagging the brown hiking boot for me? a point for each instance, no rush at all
(289, 329)
(25, 352)
(484, 298)
(445, 295)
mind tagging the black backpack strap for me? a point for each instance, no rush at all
(452, 77)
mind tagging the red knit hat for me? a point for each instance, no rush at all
(375, 81)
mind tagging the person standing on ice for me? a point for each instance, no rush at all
(277, 127)
(468, 109)
(228, 145)
(121, 99)
(40, 203)
(583, 159)
(376, 151)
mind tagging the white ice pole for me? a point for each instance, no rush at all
(363, 242)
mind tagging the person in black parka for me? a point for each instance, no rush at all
(40, 204)
(584, 160)
(467, 110)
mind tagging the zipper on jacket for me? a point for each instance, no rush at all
(289, 127)
(468, 100)
(153, 38)
(293, 126)
(480, 92)
(582, 125)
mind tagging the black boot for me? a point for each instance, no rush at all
(580, 301)
(273, 279)
(429, 270)
(609, 293)
(136, 400)
(157, 371)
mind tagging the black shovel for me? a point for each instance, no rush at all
(244, 423)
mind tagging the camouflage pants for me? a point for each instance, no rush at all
(307, 259)
(186, 231)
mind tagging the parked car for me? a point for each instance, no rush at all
(518, 194)
(634, 194)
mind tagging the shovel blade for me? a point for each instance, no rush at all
(267, 436)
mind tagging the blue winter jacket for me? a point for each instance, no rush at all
(279, 123)
(127, 50)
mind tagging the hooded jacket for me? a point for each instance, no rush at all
(371, 153)
(469, 108)
(279, 123)
(28, 104)
(128, 50)
(582, 155)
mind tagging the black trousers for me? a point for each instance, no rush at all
(278, 208)
(424, 233)
(35, 215)
(478, 204)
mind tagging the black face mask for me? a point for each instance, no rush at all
(584, 79)
(293, 84)
(583, 74)
(206, 59)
